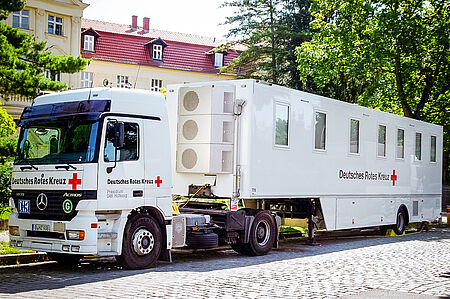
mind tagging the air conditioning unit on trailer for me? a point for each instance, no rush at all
(205, 133)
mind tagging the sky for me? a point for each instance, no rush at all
(201, 17)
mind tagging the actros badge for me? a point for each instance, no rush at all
(41, 201)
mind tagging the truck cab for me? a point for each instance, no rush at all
(83, 170)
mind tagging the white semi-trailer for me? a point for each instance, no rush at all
(96, 169)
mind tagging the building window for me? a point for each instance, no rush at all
(52, 76)
(88, 43)
(86, 79)
(21, 19)
(433, 149)
(419, 146)
(354, 136)
(156, 85)
(281, 124)
(218, 59)
(55, 25)
(320, 130)
(400, 153)
(129, 150)
(122, 81)
(381, 150)
(157, 52)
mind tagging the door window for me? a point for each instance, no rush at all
(129, 151)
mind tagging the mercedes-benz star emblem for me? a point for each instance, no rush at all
(41, 201)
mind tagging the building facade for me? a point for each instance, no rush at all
(135, 56)
(58, 22)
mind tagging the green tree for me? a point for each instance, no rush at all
(23, 61)
(270, 30)
(393, 54)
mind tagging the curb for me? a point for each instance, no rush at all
(22, 258)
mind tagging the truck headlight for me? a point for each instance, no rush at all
(75, 235)
(14, 231)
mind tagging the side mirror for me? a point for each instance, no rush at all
(119, 135)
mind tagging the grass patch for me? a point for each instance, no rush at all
(5, 249)
(298, 229)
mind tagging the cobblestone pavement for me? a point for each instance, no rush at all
(418, 264)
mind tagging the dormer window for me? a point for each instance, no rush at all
(89, 41)
(157, 49)
(218, 60)
(89, 38)
(157, 52)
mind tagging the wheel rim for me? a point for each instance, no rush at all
(400, 221)
(262, 233)
(143, 241)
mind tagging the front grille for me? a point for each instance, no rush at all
(54, 209)
(49, 235)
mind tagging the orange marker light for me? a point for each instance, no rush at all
(94, 225)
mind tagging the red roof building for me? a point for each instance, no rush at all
(142, 54)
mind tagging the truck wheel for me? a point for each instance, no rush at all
(64, 259)
(201, 240)
(400, 225)
(141, 244)
(262, 234)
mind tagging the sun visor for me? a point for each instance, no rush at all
(89, 109)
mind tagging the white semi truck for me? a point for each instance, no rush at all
(96, 169)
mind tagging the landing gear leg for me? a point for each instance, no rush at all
(311, 215)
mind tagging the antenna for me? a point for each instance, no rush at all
(92, 82)
(137, 76)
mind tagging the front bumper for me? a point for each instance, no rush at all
(81, 222)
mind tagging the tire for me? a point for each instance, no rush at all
(142, 243)
(262, 234)
(400, 224)
(64, 259)
(201, 240)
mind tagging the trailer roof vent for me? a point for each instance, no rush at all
(190, 101)
(190, 129)
(189, 158)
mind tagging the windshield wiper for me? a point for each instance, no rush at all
(28, 167)
(66, 167)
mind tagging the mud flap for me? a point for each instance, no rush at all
(165, 256)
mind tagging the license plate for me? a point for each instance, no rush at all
(41, 227)
(24, 206)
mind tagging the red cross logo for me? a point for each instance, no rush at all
(158, 181)
(74, 181)
(393, 177)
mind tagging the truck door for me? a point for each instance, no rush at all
(121, 168)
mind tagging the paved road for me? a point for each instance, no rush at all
(361, 267)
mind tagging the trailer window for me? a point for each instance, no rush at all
(419, 146)
(381, 151)
(354, 136)
(281, 124)
(400, 152)
(129, 151)
(320, 130)
(433, 149)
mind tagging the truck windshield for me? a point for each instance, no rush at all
(57, 141)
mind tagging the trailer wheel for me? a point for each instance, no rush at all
(64, 259)
(141, 243)
(400, 225)
(262, 234)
